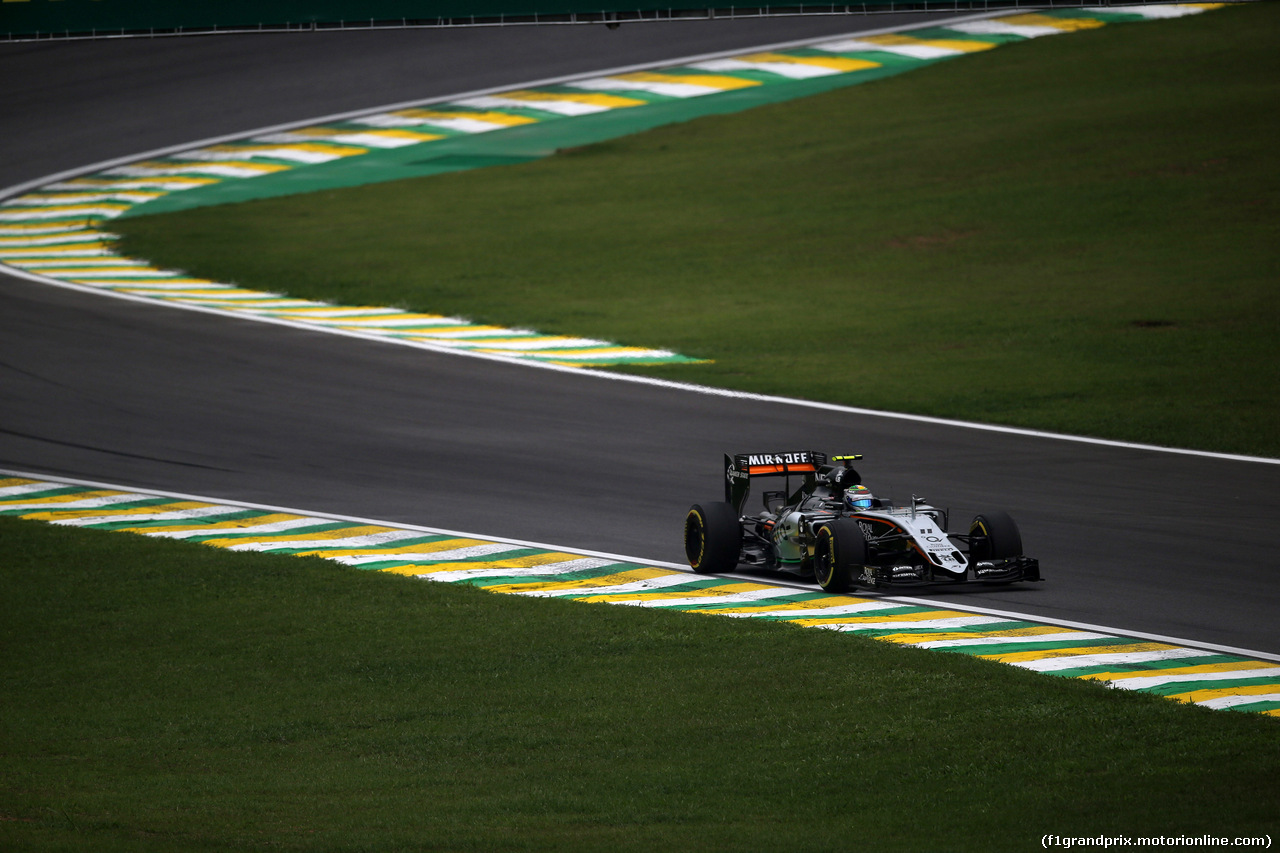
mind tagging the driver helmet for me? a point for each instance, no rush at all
(858, 497)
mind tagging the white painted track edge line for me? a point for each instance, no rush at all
(622, 558)
(18, 189)
(398, 525)
(1102, 629)
(651, 381)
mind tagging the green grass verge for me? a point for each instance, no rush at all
(1075, 234)
(169, 696)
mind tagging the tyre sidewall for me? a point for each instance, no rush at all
(712, 537)
(840, 553)
(1003, 539)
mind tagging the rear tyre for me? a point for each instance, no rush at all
(998, 537)
(839, 554)
(712, 538)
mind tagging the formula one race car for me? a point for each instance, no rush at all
(834, 529)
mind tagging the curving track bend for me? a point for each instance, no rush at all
(94, 388)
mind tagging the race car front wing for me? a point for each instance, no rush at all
(1009, 570)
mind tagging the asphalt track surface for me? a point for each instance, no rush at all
(146, 396)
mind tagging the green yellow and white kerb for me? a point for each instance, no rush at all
(1208, 678)
(57, 231)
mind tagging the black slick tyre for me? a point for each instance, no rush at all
(712, 538)
(996, 537)
(840, 552)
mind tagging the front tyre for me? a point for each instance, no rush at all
(839, 554)
(996, 537)
(712, 538)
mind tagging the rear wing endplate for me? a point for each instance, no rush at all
(743, 467)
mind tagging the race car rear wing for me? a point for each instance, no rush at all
(743, 467)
